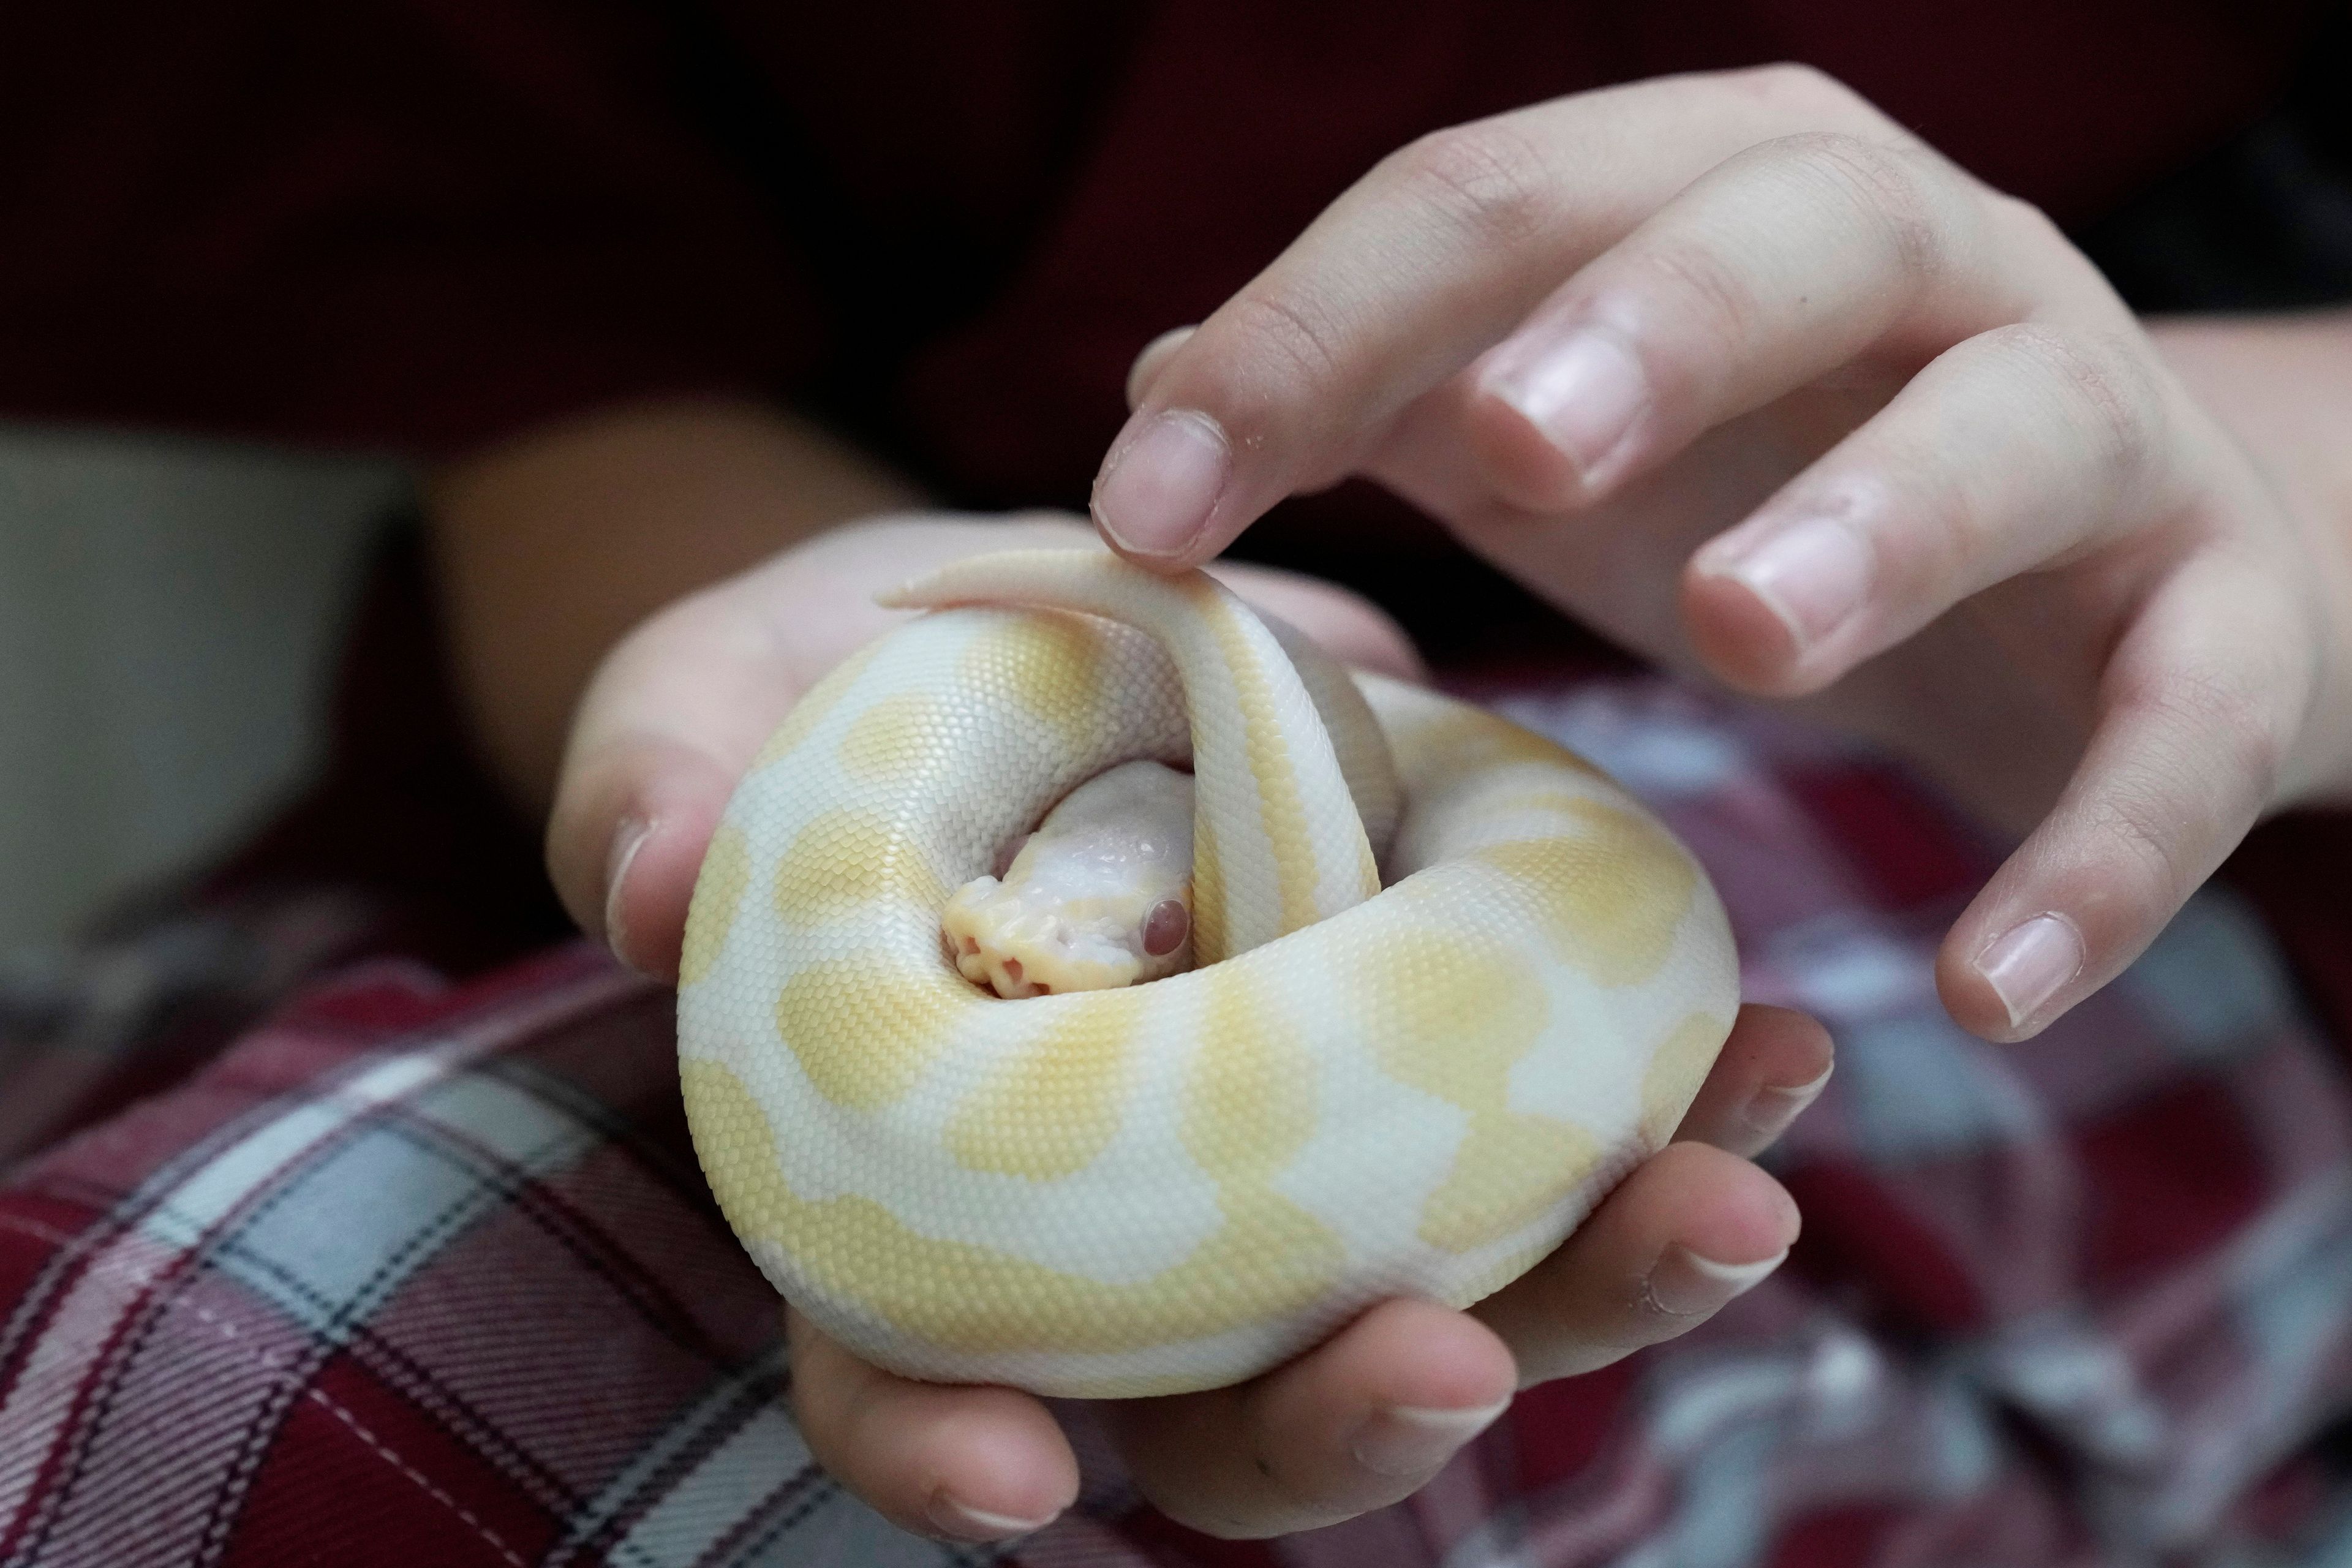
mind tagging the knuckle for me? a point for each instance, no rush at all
(1291, 328)
(2142, 834)
(1712, 287)
(2030, 224)
(1486, 182)
(1794, 84)
(2107, 390)
(2229, 716)
(1896, 192)
(2146, 812)
(1792, 92)
(2148, 842)
(1255, 1500)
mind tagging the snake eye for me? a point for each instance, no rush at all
(1166, 927)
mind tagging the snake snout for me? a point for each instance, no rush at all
(1099, 896)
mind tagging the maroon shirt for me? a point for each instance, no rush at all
(421, 223)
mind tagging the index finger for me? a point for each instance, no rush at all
(1425, 263)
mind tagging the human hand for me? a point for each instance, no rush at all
(1737, 370)
(679, 708)
(675, 714)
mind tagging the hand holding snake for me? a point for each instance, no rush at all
(1739, 371)
(1056, 1182)
(1360, 1419)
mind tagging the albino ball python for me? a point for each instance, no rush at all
(1358, 1092)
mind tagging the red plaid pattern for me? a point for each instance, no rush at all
(419, 1273)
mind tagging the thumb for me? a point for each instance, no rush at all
(673, 717)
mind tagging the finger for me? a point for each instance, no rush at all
(1355, 1424)
(2199, 706)
(967, 1463)
(1775, 1063)
(1777, 267)
(1421, 266)
(2020, 448)
(1773, 269)
(1690, 1230)
(671, 720)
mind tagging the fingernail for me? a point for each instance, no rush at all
(627, 839)
(968, 1524)
(1813, 575)
(1772, 1108)
(1682, 1284)
(2030, 964)
(1412, 1440)
(1584, 395)
(1156, 495)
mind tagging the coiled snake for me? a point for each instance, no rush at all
(1358, 1090)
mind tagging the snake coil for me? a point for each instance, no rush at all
(1414, 1084)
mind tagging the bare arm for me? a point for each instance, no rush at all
(549, 547)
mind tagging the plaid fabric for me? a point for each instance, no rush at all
(421, 1272)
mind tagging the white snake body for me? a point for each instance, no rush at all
(1360, 1093)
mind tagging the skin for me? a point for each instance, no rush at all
(2096, 574)
(1739, 371)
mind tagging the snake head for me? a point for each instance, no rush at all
(1099, 896)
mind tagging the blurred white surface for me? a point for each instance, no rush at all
(169, 612)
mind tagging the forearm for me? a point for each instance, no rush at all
(2282, 387)
(549, 547)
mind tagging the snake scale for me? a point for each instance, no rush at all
(1406, 1062)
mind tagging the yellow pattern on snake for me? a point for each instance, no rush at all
(1408, 1061)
